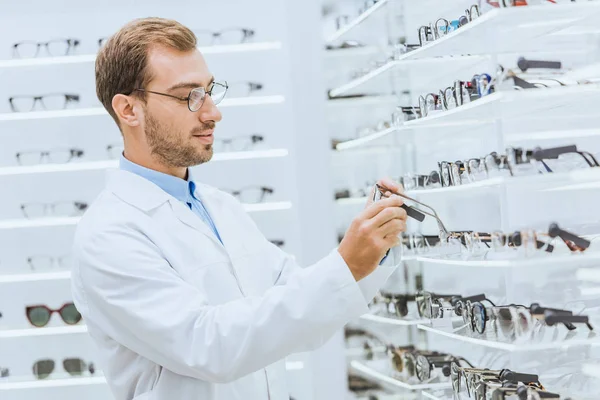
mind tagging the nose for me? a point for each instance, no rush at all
(209, 111)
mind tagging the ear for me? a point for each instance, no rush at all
(127, 111)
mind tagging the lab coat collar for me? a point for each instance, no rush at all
(135, 190)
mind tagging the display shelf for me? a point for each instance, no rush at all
(90, 58)
(510, 104)
(99, 111)
(35, 332)
(342, 103)
(390, 382)
(591, 370)
(360, 51)
(36, 277)
(522, 262)
(580, 339)
(391, 321)
(446, 394)
(352, 201)
(429, 67)
(51, 383)
(23, 223)
(106, 164)
(351, 25)
(354, 143)
(519, 27)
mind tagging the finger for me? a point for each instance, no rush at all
(390, 184)
(378, 206)
(392, 241)
(387, 215)
(393, 227)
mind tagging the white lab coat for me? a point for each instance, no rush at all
(177, 315)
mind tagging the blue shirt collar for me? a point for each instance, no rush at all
(182, 190)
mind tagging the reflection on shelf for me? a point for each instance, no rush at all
(511, 104)
(449, 65)
(592, 370)
(23, 223)
(352, 201)
(106, 164)
(391, 321)
(99, 111)
(36, 277)
(441, 394)
(354, 143)
(356, 22)
(517, 261)
(49, 383)
(360, 101)
(33, 332)
(90, 58)
(580, 337)
(370, 373)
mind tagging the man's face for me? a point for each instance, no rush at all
(177, 137)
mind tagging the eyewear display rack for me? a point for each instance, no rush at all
(377, 66)
(284, 160)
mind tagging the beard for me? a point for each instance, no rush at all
(169, 146)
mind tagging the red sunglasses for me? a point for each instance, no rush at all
(40, 315)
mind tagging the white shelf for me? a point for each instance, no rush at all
(450, 66)
(438, 395)
(23, 223)
(549, 259)
(52, 383)
(362, 101)
(106, 164)
(592, 370)
(392, 321)
(352, 201)
(274, 206)
(510, 104)
(36, 277)
(513, 347)
(354, 143)
(90, 58)
(519, 27)
(99, 111)
(351, 25)
(391, 382)
(35, 332)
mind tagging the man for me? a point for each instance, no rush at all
(184, 296)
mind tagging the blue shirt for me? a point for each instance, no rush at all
(182, 190)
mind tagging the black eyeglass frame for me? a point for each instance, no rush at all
(189, 96)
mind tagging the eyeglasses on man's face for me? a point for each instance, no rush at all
(195, 99)
(52, 48)
(51, 101)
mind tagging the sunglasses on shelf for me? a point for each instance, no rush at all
(42, 369)
(39, 315)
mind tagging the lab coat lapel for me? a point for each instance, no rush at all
(188, 217)
(221, 217)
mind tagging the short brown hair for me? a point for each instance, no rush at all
(122, 63)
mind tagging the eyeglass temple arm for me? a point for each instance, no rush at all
(525, 64)
(410, 211)
(554, 230)
(433, 214)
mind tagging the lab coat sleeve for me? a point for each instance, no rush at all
(142, 303)
(368, 285)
